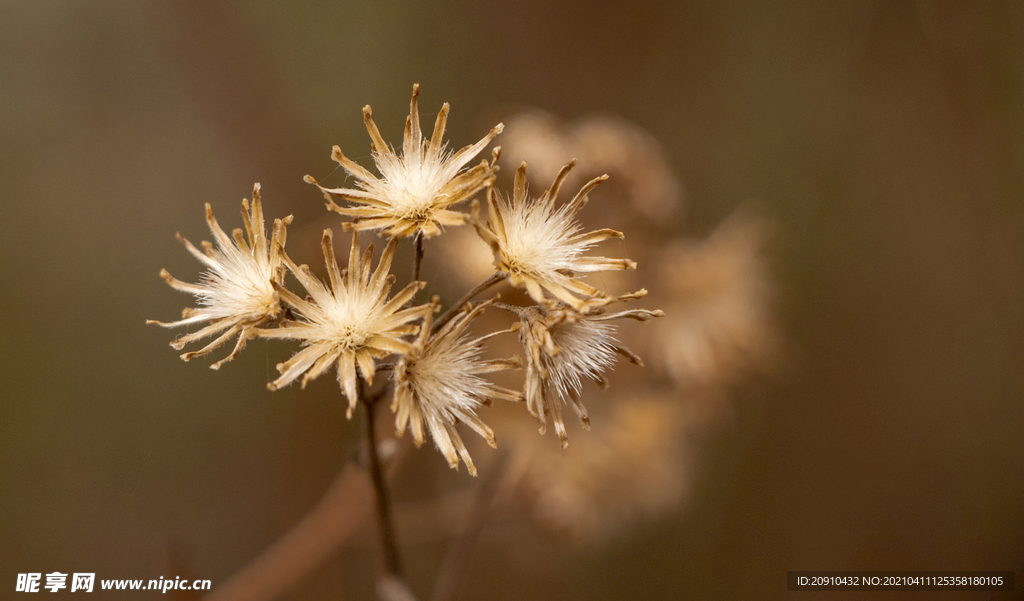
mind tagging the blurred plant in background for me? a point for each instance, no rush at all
(718, 328)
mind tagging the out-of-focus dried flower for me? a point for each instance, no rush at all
(416, 190)
(563, 347)
(635, 464)
(720, 323)
(236, 294)
(605, 145)
(351, 323)
(539, 247)
(438, 385)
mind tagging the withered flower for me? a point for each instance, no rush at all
(416, 190)
(350, 323)
(539, 247)
(563, 347)
(438, 385)
(721, 292)
(637, 464)
(236, 294)
(605, 144)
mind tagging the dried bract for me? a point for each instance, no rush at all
(416, 190)
(237, 292)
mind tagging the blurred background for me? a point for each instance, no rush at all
(878, 147)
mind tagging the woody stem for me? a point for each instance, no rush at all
(389, 543)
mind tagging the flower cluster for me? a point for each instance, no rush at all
(350, 320)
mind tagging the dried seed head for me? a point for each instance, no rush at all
(721, 324)
(646, 184)
(636, 464)
(438, 385)
(349, 323)
(539, 246)
(562, 348)
(237, 292)
(417, 189)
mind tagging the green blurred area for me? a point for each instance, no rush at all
(885, 140)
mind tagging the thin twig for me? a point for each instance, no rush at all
(510, 308)
(454, 309)
(457, 563)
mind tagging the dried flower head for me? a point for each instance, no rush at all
(416, 190)
(236, 294)
(539, 247)
(563, 347)
(721, 325)
(438, 385)
(351, 323)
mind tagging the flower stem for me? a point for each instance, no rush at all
(454, 309)
(509, 308)
(418, 259)
(389, 544)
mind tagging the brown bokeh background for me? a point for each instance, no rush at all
(885, 140)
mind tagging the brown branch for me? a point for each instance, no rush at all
(334, 519)
(339, 515)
